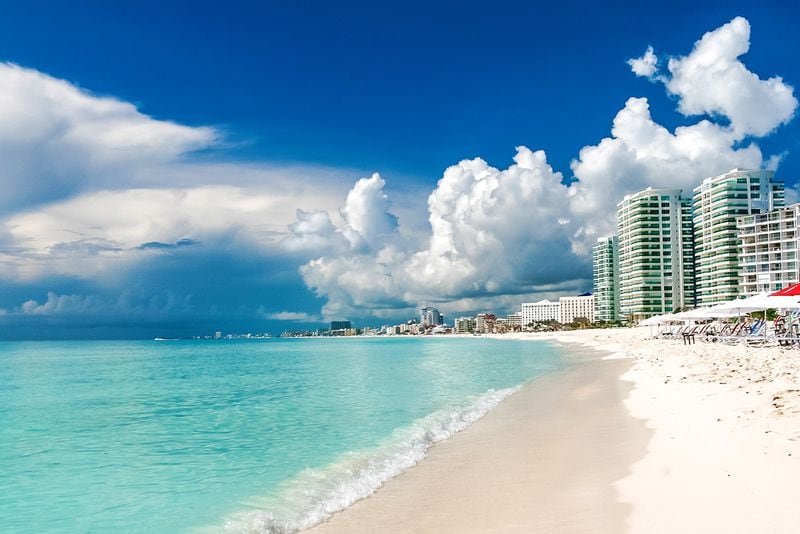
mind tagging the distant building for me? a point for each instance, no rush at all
(484, 323)
(465, 325)
(537, 312)
(768, 248)
(718, 201)
(340, 325)
(579, 307)
(218, 335)
(430, 316)
(656, 253)
(605, 274)
(514, 319)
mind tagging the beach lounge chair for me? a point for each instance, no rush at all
(738, 332)
(757, 334)
(699, 330)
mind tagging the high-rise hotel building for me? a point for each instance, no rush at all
(605, 269)
(656, 253)
(718, 201)
(768, 249)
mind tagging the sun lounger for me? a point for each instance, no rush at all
(739, 332)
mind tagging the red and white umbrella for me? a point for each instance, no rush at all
(788, 291)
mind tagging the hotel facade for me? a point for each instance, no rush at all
(734, 238)
(656, 253)
(605, 270)
(718, 202)
(768, 248)
(578, 307)
(537, 312)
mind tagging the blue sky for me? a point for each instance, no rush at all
(288, 104)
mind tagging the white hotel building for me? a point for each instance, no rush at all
(656, 253)
(580, 307)
(565, 311)
(768, 248)
(718, 201)
(537, 312)
(514, 319)
(605, 274)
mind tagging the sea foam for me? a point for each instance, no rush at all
(316, 494)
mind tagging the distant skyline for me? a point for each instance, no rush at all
(154, 158)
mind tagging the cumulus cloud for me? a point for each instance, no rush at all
(85, 207)
(88, 306)
(366, 212)
(295, 317)
(59, 304)
(313, 232)
(367, 223)
(647, 65)
(711, 80)
(95, 232)
(57, 139)
(486, 240)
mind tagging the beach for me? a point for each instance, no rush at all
(640, 435)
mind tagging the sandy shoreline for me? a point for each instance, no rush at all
(503, 473)
(660, 437)
(724, 453)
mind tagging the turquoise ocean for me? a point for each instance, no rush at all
(232, 436)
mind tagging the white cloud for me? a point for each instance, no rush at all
(645, 66)
(87, 306)
(775, 160)
(485, 240)
(59, 304)
(711, 80)
(366, 223)
(84, 184)
(57, 139)
(97, 233)
(296, 317)
(366, 213)
(313, 232)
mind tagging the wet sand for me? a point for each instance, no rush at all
(545, 460)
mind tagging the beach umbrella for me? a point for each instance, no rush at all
(721, 311)
(788, 291)
(697, 313)
(651, 321)
(792, 290)
(759, 302)
(658, 319)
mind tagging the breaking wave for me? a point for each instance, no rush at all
(316, 494)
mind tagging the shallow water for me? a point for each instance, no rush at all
(265, 435)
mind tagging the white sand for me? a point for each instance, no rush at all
(725, 450)
(566, 455)
(545, 460)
